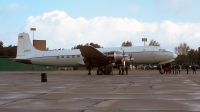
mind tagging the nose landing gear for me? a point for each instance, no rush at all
(161, 69)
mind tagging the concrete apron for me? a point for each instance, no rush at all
(76, 91)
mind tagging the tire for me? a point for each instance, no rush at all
(162, 71)
(99, 72)
(108, 72)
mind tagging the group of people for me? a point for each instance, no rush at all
(193, 67)
(176, 68)
(121, 70)
(132, 67)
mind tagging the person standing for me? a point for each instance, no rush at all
(194, 69)
(180, 68)
(120, 70)
(166, 69)
(131, 65)
(173, 68)
(111, 70)
(126, 69)
(176, 69)
(187, 68)
(134, 67)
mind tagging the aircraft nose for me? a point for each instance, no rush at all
(175, 55)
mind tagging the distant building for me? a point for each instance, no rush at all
(40, 44)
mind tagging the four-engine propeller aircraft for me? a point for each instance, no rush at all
(90, 57)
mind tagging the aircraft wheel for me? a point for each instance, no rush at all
(108, 72)
(99, 72)
(162, 71)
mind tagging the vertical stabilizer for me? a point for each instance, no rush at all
(24, 46)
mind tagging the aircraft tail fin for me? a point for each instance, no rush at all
(24, 46)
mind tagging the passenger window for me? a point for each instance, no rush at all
(78, 56)
(57, 57)
(62, 56)
(161, 49)
(67, 56)
(72, 56)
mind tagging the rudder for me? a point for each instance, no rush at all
(24, 46)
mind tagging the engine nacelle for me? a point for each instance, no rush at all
(115, 56)
(118, 58)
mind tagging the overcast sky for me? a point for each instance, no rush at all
(66, 23)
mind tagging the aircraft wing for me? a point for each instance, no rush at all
(93, 57)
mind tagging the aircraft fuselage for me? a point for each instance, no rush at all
(72, 58)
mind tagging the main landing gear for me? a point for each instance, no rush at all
(89, 69)
(161, 69)
(165, 68)
(104, 70)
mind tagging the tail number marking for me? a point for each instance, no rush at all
(28, 50)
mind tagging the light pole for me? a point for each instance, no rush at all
(33, 29)
(144, 40)
(199, 56)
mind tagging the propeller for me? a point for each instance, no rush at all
(123, 54)
(130, 57)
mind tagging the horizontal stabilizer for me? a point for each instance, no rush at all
(25, 61)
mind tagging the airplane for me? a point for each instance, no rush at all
(90, 57)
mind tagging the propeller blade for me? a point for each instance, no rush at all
(124, 58)
(130, 55)
(123, 53)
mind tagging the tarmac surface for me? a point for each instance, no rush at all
(74, 91)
